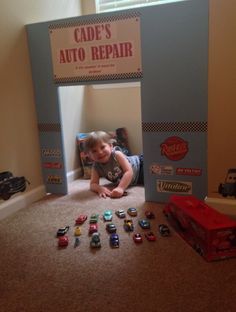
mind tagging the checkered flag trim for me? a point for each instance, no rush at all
(98, 77)
(98, 19)
(49, 127)
(188, 126)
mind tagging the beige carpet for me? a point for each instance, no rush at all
(166, 275)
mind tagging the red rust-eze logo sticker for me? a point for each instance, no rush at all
(174, 148)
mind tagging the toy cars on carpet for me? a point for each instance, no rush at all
(63, 241)
(137, 237)
(107, 215)
(95, 240)
(145, 224)
(164, 230)
(114, 240)
(94, 218)
(63, 231)
(150, 237)
(81, 219)
(120, 213)
(132, 211)
(93, 227)
(77, 231)
(128, 225)
(111, 228)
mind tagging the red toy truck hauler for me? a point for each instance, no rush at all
(211, 233)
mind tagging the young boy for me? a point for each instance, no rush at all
(116, 167)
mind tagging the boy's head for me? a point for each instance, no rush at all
(98, 145)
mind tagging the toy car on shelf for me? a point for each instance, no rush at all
(10, 186)
(120, 213)
(63, 231)
(81, 219)
(95, 240)
(137, 237)
(132, 211)
(94, 218)
(164, 230)
(77, 231)
(149, 214)
(145, 224)
(93, 227)
(107, 215)
(63, 241)
(229, 187)
(128, 225)
(114, 240)
(150, 237)
(111, 228)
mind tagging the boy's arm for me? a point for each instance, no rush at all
(127, 175)
(102, 191)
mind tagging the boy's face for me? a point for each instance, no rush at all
(101, 152)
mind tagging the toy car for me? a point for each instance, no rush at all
(107, 215)
(77, 242)
(81, 219)
(63, 241)
(229, 187)
(95, 240)
(145, 224)
(164, 230)
(5, 175)
(150, 237)
(94, 218)
(120, 213)
(128, 225)
(93, 228)
(111, 228)
(114, 240)
(12, 185)
(77, 231)
(132, 212)
(63, 231)
(137, 237)
(149, 214)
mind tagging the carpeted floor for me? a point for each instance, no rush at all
(166, 275)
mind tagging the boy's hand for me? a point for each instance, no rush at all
(104, 192)
(117, 192)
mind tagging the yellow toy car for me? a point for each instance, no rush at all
(77, 231)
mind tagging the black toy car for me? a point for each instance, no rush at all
(63, 231)
(229, 187)
(5, 175)
(11, 185)
(164, 230)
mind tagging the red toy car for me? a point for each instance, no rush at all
(150, 237)
(81, 219)
(137, 237)
(149, 214)
(63, 241)
(93, 227)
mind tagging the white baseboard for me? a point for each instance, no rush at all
(73, 175)
(20, 201)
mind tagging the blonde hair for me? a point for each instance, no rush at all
(96, 137)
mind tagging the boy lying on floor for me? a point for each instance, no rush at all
(112, 164)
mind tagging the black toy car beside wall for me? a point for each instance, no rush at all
(10, 185)
(229, 187)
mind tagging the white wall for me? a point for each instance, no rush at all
(19, 144)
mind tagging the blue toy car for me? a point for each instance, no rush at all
(114, 240)
(145, 224)
(107, 215)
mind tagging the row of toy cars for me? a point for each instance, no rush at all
(95, 242)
